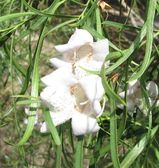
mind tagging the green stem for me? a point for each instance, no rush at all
(113, 135)
(79, 153)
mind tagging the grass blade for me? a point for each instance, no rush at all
(35, 88)
(15, 15)
(149, 40)
(127, 53)
(52, 128)
(136, 151)
(113, 135)
(108, 90)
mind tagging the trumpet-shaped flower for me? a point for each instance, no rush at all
(72, 92)
(81, 53)
(134, 95)
(69, 98)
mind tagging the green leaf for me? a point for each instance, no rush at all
(98, 22)
(15, 15)
(119, 25)
(138, 148)
(149, 40)
(35, 89)
(52, 128)
(52, 9)
(113, 135)
(108, 90)
(127, 53)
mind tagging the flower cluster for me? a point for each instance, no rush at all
(72, 92)
(134, 95)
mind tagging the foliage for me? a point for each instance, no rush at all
(28, 32)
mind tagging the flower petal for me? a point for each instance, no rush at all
(84, 51)
(133, 95)
(94, 91)
(131, 104)
(97, 107)
(58, 98)
(83, 67)
(100, 49)
(152, 89)
(59, 76)
(57, 63)
(134, 88)
(92, 86)
(64, 47)
(91, 65)
(80, 37)
(82, 124)
(57, 118)
(122, 94)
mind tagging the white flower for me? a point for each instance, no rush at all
(152, 89)
(81, 53)
(72, 92)
(69, 98)
(134, 95)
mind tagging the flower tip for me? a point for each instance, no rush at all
(80, 37)
(43, 128)
(85, 126)
(62, 48)
(78, 132)
(133, 82)
(57, 63)
(152, 89)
